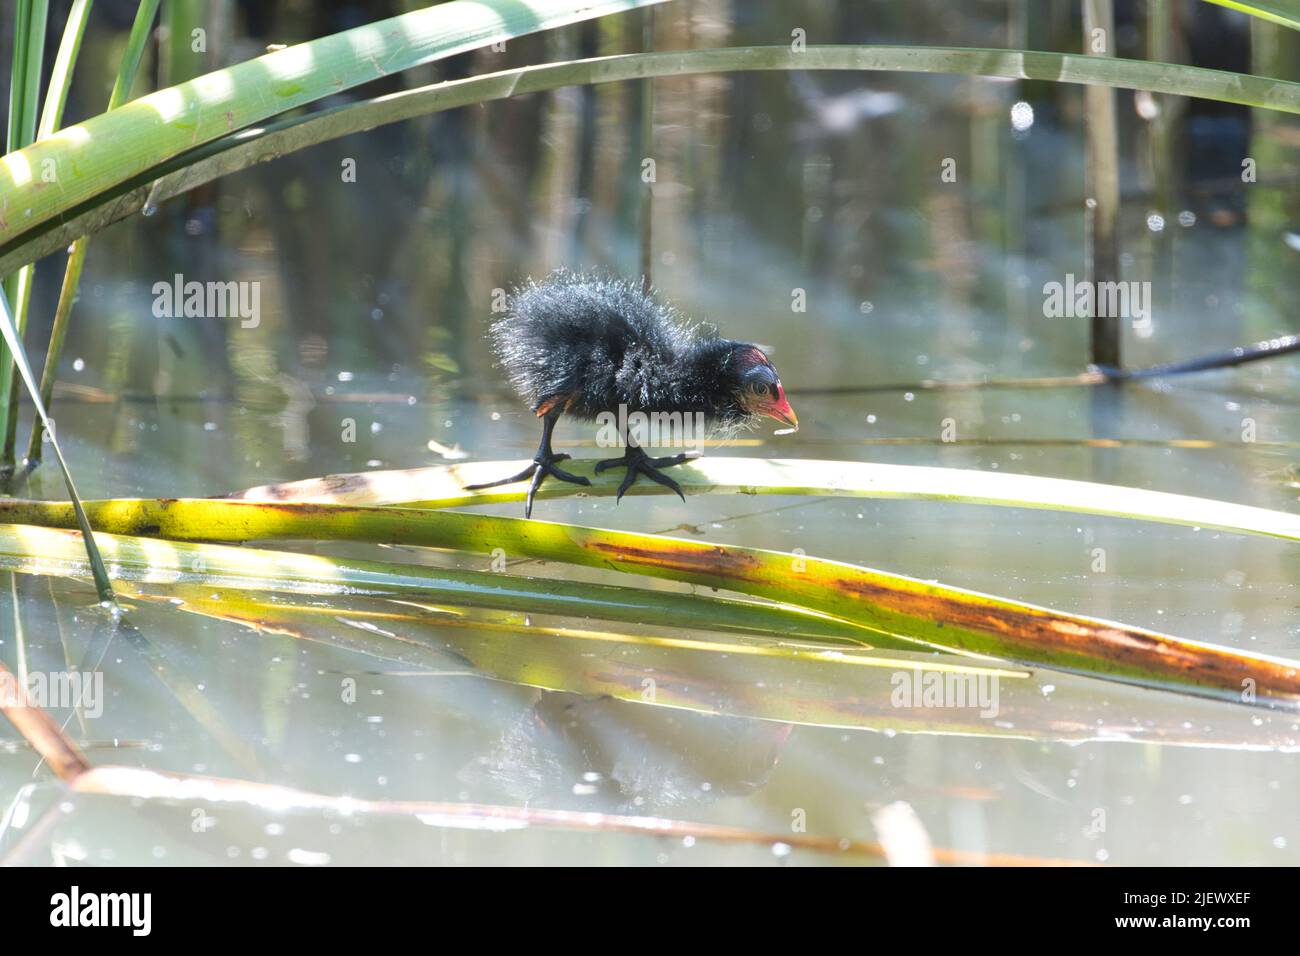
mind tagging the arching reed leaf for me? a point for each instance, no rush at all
(33, 550)
(938, 615)
(789, 682)
(111, 147)
(1285, 12)
(442, 486)
(106, 201)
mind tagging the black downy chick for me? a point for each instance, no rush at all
(581, 345)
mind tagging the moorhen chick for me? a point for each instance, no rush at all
(582, 344)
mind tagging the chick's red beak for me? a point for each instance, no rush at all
(780, 409)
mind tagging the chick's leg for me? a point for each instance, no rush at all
(637, 462)
(543, 465)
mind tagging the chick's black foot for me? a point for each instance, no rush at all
(637, 462)
(543, 465)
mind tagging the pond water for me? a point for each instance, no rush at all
(770, 189)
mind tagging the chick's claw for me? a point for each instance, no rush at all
(637, 462)
(542, 466)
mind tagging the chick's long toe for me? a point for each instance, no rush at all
(637, 462)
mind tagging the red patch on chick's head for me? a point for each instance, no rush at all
(761, 392)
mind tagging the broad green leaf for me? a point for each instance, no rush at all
(111, 147)
(34, 550)
(940, 616)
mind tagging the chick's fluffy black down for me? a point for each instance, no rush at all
(589, 343)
